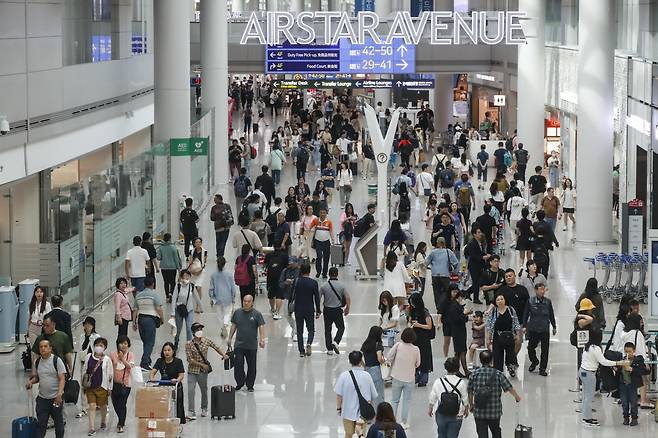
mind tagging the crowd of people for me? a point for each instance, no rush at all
(288, 247)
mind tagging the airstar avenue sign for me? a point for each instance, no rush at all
(445, 28)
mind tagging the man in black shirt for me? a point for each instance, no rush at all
(476, 254)
(537, 184)
(500, 157)
(152, 266)
(521, 161)
(60, 317)
(488, 226)
(366, 222)
(543, 243)
(492, 280)
(306, 295)
(445, 229)
(516, 296)
(266, 184)
(188, 220)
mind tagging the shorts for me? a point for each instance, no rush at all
(274, 292)
(568, 210)
(478, 342)
(97, 396)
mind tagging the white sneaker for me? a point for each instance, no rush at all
(405, 426)
(564, 229)
(329, 353)
(294, 337)
(276, 316)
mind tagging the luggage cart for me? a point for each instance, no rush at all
(499, 241)
(261, 271)
(176, 390)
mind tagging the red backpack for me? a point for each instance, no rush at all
(241, 274)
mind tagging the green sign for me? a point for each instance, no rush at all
(188, 146)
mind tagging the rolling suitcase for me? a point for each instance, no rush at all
(336, 255)
(25, 427)
(521, 431)
(222, 402)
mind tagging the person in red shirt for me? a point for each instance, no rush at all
(323, 231)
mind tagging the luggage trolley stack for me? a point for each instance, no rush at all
(499, 241)
(261, 270)
(630, 271)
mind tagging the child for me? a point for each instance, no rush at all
(477, 327)
(630, 379)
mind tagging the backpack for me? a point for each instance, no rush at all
(464, 195)
(522, 157)
(253, 152)
(447, 178)
(405, 204)
(439, 162)
(241, 274)
(450, 400)
(412, 176)
(240, 187)
(507, 159)
(226, 217)
(360, 227)
(509, 145)
(271, 219)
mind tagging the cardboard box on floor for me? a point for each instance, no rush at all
(153, 402)
(158, 427)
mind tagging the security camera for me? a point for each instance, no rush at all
(4, 126)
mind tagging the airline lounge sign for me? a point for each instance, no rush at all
(445, 28)
(188, 146)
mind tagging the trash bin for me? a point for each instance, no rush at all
(8, 309)
(25, 292)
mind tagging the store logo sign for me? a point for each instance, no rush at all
(444, 28)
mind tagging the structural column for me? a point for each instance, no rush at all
(296, 6)
(214, 79)
(237, 6)
(172, 91)
(443, 99)
(383, 95)
(530, 84)
(594, 156)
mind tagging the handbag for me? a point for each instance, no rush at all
(230, 362)
(181, 309)
(343, 302)
(347, 187)
(366, 411)
(71, 386)
(203, 358)
(506, 338)
(136, 376)
(86, 377)
(353, 156)
(195, 267)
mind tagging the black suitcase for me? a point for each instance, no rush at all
(255, 128)
(222, 402)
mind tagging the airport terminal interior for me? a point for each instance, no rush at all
(369, 176)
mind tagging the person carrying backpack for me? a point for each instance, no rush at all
(448, 401)
(245, 272)
(485, 387)
(447, 179)
(241, 187)
(521, 161)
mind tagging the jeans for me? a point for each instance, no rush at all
(628, 396)
(147, 326)
(482, 173)
(333, 316)
(322, 253)
(552, 222)
(238, 372)
(137, 283)
(276, 176)
(44, 409)
(301, 172)
(119, 401)
(169, 279)
(376, 374)
(535, 338)
(221, 237)
(447, 427)
(189, 319)
(202, 380)
(308, 319)
(440, 289)
(401, 389)
(344, 195)
(520, 169)
(588, 380)
(224, 312)
(553, 176)
(482, 426)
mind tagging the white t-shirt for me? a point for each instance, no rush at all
(440, 387)
(345, 388)
(344, 177)
(636, 338)
(425, 181)
(568, 198)
(515, 205)
(395, 317)
(138, 257)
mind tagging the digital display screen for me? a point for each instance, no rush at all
(101, 48)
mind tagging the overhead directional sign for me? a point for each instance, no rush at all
(353, 83)
(347, 58)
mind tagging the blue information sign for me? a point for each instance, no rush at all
(418, 6)
(364, 5)
(347, 58)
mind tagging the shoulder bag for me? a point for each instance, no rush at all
(132, 312)
(366, 411)
(181, 309)
(196, 266)
(203, 358)
(343, 302)
(86, 377)
(291, 300)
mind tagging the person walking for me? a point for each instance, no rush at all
(248, 327)
(323, 237)
(198, 368)
(101, 380)
(537, 184)
(373, 356)
(86, 344)
(287, 283)
(485, 388)
(50, 373)
(568, 202)
(170, 264)
(551, 206)
(405, 360)
(152, 266)
(336, 304)
(188, 221)
(441, 261)
(421, 321)
(148, 317)
(344, 182)
(184, 300)
(222, 295)
(306, 299)
(502, 328)
(123, 360)
(135, 265)
(538, 319)
(477, 257)
(38, 308)
(449, 416)
(553, 164)
(171, 368)
(385, 424)
(60, 343)
(348, 385)
(222, 218)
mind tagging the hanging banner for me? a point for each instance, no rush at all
(418, 6)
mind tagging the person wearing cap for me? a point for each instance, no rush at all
(537, 321)
(198, 368)
(585, 321)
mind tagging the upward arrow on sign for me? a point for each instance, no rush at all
(402, 50)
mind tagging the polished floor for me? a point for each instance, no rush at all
(294, 397)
